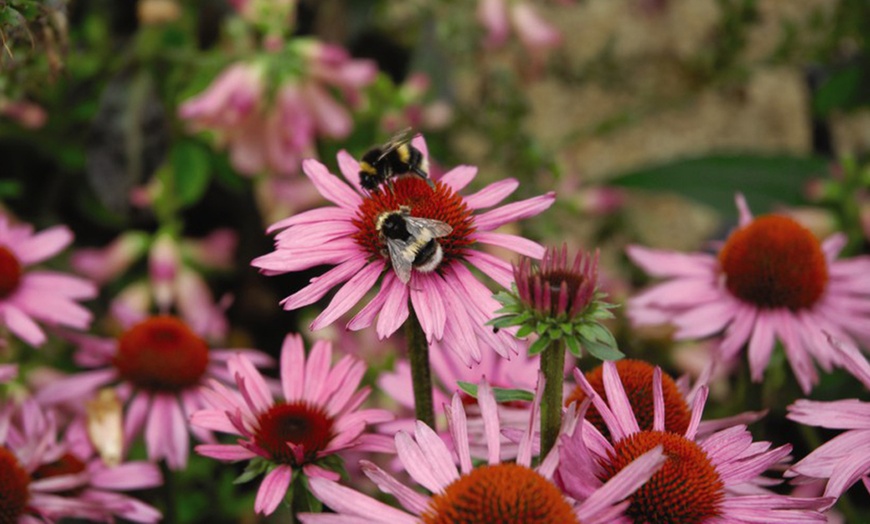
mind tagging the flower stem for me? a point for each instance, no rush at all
(421, 376)
(553, 366)
(168, 494)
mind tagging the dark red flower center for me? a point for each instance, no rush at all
(10, 272)
(308, 428)
(163, 354)
(14, 484)
(500, 494)
(441, 204)
(774, 262)
(68, 464)
(687, 489)
(637, 380)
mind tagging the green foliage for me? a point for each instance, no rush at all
(501, 395)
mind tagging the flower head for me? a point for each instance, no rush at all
(705, 479)
(28, 295)
(318, 417)
(48, 479)
(772, 280)
(494, 492)
(844, 459)
(559, 300)
(158, 365)
(451, 304)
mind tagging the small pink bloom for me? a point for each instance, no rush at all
(709, 479)
(771, 280)
(28, 114)
(493, 16)
(319, 416)
(158, 366)
(28, 295)
(230, 100)
(103, 265)
(533, 31)
(843, 460)
(450, 302)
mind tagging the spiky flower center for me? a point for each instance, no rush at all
(687, 489)
(637, 380)
(500, 494)
(294, 432)
(14, 484)
(161, 353)
(774, 262)
(10, 272)
(68, 464)
(442, 204)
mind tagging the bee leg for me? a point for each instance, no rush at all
(425, 176)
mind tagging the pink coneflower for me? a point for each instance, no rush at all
(843, 460)
(318, 417)
(704, 480)
(43, 479)
(771, 280)
(451, 304)
(30, 295)
(158, 365)
(495, 492)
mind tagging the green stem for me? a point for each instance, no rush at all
(421, 376)
(167, 493)
(553, 366)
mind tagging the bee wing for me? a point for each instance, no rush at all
(399, 258)
(402, 137)
(427, 228)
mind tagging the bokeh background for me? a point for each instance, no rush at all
(645, 116)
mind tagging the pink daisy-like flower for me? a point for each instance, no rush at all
(450, 303)
(30, 295)
(318, 417)
(771, 280)
(158, 366)
(714, 479)
(44, 480)
(844, 459)
(495, 492)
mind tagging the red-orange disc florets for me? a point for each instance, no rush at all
(637, 380)
(774, 262)
(14, 484)
(500, 494)
(441, 204)
(304, 425)
(687, 489)
(161, 353)
(10, 272)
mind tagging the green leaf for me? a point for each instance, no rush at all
(192, 171)
(567, 328)
(554, 333)
(766, 181)
(574, 347)
(539, 345)
(844, 89)
(602, 351)
(254, 469)
(525, 331)
(10, 189)
(542, 328)
(467, 387)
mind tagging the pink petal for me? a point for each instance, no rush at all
(43, 245)
(317, 369)
(349, 167)
(349, 502)
(662, 263)
(166, 433)
(351, 293)
(330, 186)
(459, 177)
(492, 194)
(227, 452)
(407, 497)
(492, 266)
(514, 211)
(761, 345)
(22, 325)
(273, 489)
(292, 367)
(515, 243)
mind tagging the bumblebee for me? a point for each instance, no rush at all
(394, 158)
(411, 241)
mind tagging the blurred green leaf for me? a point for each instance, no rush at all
(10, 189)
(844, 89)
(766, 181)
(190, 163)
(501, 394)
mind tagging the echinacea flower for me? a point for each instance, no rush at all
(451, 304)
(844, 459)
(504, 492)
(158, 365)
(318, 417)
(30, 295)
(44, 479)
(771, 281)
(714, 479)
